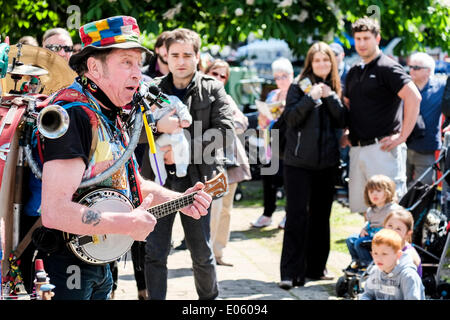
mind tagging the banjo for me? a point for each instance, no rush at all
(105, 248)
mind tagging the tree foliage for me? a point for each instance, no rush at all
(420, 24)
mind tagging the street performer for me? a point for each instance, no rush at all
(109, 75)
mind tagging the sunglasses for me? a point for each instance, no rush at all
(417, 67)
(283, 77)
(57, 48)
(216, 74)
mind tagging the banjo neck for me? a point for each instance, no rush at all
(169, 207)
(214, 187)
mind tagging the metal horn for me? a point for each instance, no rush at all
(53, 121)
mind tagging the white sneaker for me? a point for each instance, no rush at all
(262, 221)
(282, 223)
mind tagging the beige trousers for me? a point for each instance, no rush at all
(220, 220)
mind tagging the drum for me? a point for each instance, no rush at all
(11, 116)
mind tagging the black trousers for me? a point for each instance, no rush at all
(138, 257)
(306, 241)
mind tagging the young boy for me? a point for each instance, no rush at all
(394, 276)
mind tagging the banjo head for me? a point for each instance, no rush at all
(105, 247)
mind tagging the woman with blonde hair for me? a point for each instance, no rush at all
(313, 113)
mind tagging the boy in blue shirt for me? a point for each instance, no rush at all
(394, 276)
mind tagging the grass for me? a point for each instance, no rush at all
(343, 223)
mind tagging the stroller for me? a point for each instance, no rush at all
(431, 211)
(352, 283)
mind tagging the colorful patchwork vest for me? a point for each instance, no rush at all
(108, 145)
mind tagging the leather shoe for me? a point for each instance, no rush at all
(220, 262)
(285, 284)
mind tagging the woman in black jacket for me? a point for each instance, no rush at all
(313, 113)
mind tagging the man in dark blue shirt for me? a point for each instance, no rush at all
(421, 149)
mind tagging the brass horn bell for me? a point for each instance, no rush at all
(53, 121)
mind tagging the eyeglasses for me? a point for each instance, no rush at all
(216, 74)
(417, 67)
(283, 77)
(57, 48)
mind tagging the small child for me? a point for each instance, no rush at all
(392, 278)
(380, 197)
(402, 222)
(178, 141)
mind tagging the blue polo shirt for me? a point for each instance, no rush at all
(430, 109)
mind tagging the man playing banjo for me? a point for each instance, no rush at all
(109, 75)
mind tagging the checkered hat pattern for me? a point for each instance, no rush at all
(120, 32)
(110, 31)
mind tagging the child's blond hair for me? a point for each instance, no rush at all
(380, 182)
(389, 238)
(404, 216)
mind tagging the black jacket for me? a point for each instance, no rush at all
(311, 135)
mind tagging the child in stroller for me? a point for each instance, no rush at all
(399, 220)
(380, 197)
(429, 235)
(402, 222)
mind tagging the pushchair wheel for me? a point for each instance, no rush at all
(353, 287)
(280, 194)
(341, 286)
(238, 195)
(443, 291)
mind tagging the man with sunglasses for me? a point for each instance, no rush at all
(422, 144)
(59, 41)
(374, 92)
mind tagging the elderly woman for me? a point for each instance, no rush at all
(283, 73)
(313, 112)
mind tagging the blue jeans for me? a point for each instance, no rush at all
(197, 236)
(358, 252)
(75, 280)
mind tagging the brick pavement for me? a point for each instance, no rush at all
(255, 273)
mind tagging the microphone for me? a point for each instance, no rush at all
(153, 94)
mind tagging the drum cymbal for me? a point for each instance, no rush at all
(59, 74)
(27, 70)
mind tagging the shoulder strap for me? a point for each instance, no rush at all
(71, 95)
(27, 239)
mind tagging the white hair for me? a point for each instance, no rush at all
(282, 65)
(425, 58)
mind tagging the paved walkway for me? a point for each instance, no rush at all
(255, 273)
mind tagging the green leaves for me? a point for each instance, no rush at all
(419, 23)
